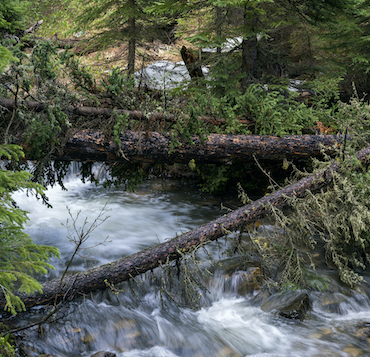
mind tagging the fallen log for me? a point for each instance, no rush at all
(34, 27)
(107, 112)
(126, 268)
(153, 147)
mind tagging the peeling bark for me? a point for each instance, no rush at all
(95, 279)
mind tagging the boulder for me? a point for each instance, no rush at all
(104, 354)
(292, 306)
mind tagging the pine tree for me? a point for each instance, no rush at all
(346, 41)
(115, 21)
(11, 19)
(20, 258)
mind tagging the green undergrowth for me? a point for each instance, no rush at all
(21, 259)
(337, 217)
(59, 80)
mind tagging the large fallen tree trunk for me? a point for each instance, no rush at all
(152, 147)
(113, 273)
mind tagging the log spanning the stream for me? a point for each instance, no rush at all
(126, 268)
(154, 147)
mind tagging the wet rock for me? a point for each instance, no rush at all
(353, 352)
(230, 265)
(227, 352)
(291, 306)
(249, 280)
(261, 297)
(363, 331)
(104, 354)
(298, 307)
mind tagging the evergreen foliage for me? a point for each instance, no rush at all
(11, 20)
(336, 218)
(11, 15)
(114, 21)
(20, 258)
(312, 47)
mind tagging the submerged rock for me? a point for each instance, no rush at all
(363, 331)
(291, 306)
(353, 351)
(104, 354)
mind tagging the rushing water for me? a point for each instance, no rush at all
(141, 322)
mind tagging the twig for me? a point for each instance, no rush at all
(262, 169)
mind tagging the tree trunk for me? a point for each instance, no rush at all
(90, 145)
(113, 273)
(152, 147)
(249, 47)
(192, 64)
(132, 41)
(219, 19)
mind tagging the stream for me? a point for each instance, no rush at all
(139, 320)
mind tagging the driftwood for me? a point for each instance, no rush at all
(113, 273)
(153, 147)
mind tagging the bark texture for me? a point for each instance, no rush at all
(192, 64)
(153, 147)
(95, 279)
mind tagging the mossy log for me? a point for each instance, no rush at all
(95, 279)
(153, 147)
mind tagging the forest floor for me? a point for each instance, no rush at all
(147, 53)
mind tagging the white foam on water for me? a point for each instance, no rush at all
(156, 351)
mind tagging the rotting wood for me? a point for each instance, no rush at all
(153, 147)
(192, 64)
(95, 279)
